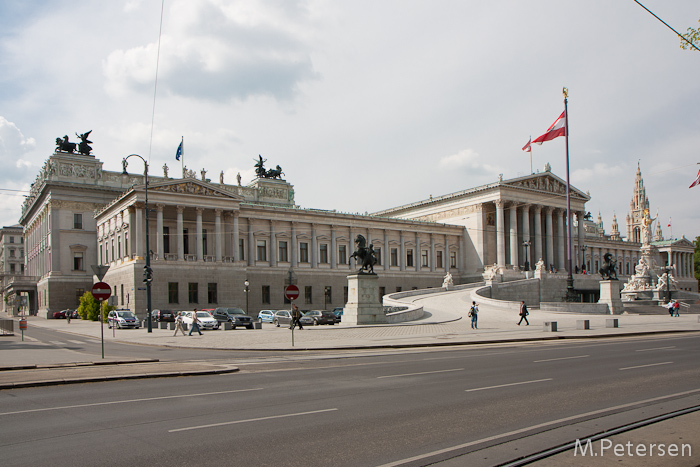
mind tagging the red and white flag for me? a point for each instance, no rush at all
(558, 128)
(669, 222)
(528, 146)
(696, 182)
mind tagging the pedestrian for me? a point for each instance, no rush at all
(670, 307)
(296, 317)
(473, 314)
(178, 324)
(68, 313)
(195, 323)
(523, 313)
(677, 308)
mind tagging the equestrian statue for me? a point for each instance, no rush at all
(608, 271)
(365, 256)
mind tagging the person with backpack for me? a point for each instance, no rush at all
(473, 314)
(523, 313)
(296, 317)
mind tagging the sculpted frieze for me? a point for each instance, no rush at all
(188, 188)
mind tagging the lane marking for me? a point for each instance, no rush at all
(59, 343)
(77, 342)
(561, 358)
(272, 417)
(96, 404)
(509, 384)
(535, 427)
(421, 373)
(645, 366)
(658, 348)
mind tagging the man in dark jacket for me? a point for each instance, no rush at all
(523, 313)
(296, 316)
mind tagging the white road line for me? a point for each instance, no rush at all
(272, 417)
(509, 384)
(561, 358)
(422, 373)
(79, 406)
(645, 366)
(59, 343)
(77, 342)
(658, 348)
(535, 427)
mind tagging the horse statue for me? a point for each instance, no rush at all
(63, 145)
(608, 271)
(274, 173)
(364, 255)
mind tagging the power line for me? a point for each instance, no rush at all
(679, 34)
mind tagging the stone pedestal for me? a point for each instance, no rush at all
(364, 305)
(610, 295)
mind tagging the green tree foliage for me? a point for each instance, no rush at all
(106, 309)
(89, 307)
(693, 35)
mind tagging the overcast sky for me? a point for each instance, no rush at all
(365, 105)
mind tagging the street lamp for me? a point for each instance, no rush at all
(526, 244)
(148, 272)
(667, 270)
(583, 249)
(246, 283)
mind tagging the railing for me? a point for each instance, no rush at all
(7, 326)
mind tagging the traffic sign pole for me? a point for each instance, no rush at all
(102, 291)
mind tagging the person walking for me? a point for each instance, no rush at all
(296, 316)
(178, 324)
(195, 323)
(677, 309)
(670, 307)
(68, 313)
(523, 313)
(473, 314)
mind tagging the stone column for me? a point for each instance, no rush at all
(139, 233)
(480, 234)
(160, 249)
(447, 255)
(251, 243)
(387, 256)
(513, 235)
(236, 237)
(218, 235)
(432, 253)
(526, 233)
(273, 244)
(334, 249)
(418, 254)
(200, 248)
(180, 233)
(561, 240)
(538, 234)
(293, 247)
(314, 247)
(549, 236)
(500, 233)
(402, 252)
(582, 236)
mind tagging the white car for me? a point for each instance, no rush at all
(206, 320)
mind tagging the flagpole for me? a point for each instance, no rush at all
(182, 156)
(570, 293)
(531, 172)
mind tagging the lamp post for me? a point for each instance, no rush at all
(583, 249)
(667, 270)
(526, 244)
(148, 272)
(246, 283)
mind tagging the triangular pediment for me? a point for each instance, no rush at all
(190, 186)
(545, 182)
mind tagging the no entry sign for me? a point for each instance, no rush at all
(291, 292)
(101, 291)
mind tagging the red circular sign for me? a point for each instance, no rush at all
(101, 291)
(291, 292)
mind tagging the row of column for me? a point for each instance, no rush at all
(685, 264)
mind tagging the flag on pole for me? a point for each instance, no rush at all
(180, 150)
(696, 182)
(669, 222)
(556, 129)
(528, 146)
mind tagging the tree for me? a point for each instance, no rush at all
(693, 35)
(89, 307)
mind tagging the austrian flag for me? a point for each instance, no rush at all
(696, 182)
(558, 128)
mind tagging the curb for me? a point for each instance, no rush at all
(79, 364)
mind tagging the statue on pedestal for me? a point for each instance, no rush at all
(609, 268)
(365, 256)
(448, 283)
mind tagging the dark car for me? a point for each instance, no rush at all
(163, 315)
(338, 312)
(316, 317)
(235, 316)
(282, 317)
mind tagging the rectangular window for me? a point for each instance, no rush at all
(283, 257)
(394, 257)
(378, 254)
(12, 268)
(342, 254)
(424, 258)
(241, 249)
(193, 292)
(21, 268)
(308, 297)
(204, 242)
(323, 253)
(121, 295)
(12, 252)
(173, 296)
(398, 289)
(303, 252)
(112, 251)
(212, 295)
(78, 221)
(166, 240)
(77, 261)
(262, 250)
(126, 244)
(453, 259)
(119, 247)
(409, 258)
(382, 292)
(266, 294)
(438, 258)
(12, 239)
(185, 241)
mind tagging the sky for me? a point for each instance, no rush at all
(365, 105)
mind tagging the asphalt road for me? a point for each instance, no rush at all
(410, 407)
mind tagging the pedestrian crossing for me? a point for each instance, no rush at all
(68, 342)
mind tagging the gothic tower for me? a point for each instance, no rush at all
(638, 204)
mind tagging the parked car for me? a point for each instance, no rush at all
(122, 319)
(206, 320)
(282, 317)
(236, 316)
(338, 312)
(74, 314)
(60, 314)
(266, 316)
(316, 317)
(163, 315)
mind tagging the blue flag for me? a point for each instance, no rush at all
(179, 151)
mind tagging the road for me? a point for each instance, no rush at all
(374, 408)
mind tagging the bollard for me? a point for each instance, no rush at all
(257, 325)
(583, 324)
(611, 323)
(227, 326)
(550, 326)
(163, 325)
(171, 326)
